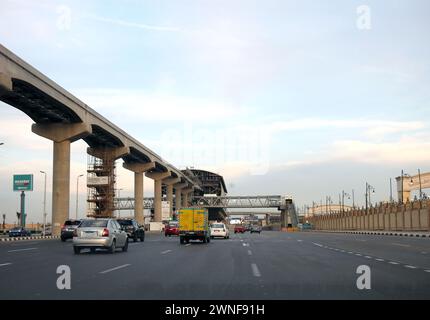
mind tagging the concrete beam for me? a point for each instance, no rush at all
(139, 169)
(5, 83)
(185, 198)
(115, 153)
(158, 175)
(59, 132)
(171, 181)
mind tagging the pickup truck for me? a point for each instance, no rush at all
(194, 225)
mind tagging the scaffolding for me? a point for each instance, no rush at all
(101, 179)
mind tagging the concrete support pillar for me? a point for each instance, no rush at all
(138, 198)
(185, 197)
(169, 189)
(157, 199)
(158, 183)
(139, 169)
(169, 182)
(60, 185)
(62, 136)
(178, 194)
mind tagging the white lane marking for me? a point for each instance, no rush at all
(241, 240)
(410, 267)
(245, 244)
(113, 269)
(188, 244)
(357, 254)
(249, 253)
(350, 252)
(427, 271)
(255, 270)
(368, 257)
(401, 245)
(299, 240)
(167, 251)
(393, 262)
(5, 264)
(317, 244)
(26, 249)
(343, 251)
(380, 260)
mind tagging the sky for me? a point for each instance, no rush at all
(301, 98)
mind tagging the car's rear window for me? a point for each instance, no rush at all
(94, 223)
(72, 223)
(125, 222)
(218, 225)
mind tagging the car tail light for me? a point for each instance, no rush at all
(105, 233)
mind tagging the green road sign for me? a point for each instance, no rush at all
(22, 182)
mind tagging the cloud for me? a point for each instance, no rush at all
(125, 23)
(140, 106)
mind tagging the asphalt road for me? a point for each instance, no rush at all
(271, 265)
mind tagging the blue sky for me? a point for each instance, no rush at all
(278, 96)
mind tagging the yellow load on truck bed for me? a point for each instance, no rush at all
(193, 225)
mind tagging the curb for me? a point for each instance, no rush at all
(381, 233)
(29, 238)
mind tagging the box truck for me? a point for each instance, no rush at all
(193, 225)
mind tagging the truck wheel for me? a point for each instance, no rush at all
(205, 240)
(209, 239)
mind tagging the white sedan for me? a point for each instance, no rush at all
(219, 230)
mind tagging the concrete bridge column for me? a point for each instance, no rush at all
(158, 183)
(185, 197)
(139, 169)
(62, 136)
(178, 194)
(169, 182)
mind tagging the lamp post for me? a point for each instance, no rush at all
(44, 206)
(421, 187)
(77, 195)
(343, 199)
(369, 188)
(119, 196)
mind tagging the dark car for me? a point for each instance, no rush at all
(19, 232)
(256, 229)
(133, 229)
(172, 229)
(68, 228)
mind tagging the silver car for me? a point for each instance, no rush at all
(99, 233)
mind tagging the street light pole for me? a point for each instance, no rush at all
(119, 197)
(44, 206)
(77, 195)
(421, 189)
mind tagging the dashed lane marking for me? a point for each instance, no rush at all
(113, 269)
(255, 270)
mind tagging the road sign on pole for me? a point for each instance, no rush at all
(22, 182)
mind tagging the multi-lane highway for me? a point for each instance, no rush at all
(271, 265)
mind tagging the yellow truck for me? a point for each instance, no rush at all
(194, 225)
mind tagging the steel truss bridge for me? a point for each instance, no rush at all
(226, 202)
